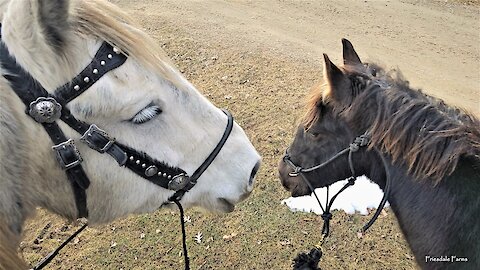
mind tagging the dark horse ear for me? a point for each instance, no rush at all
(337, 83)
(350, 56)
(53, 19)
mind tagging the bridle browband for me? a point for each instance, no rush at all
(46, 108)
(359, 142)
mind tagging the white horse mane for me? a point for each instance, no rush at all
(118, 28)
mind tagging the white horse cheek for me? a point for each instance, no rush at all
(228, 176)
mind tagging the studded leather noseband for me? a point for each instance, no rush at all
(46, 109)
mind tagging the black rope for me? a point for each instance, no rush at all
(184, 236)
(312, 189)
(358, 142)
(304, 261)
(51, 255)
(327, 215)
(386, 193)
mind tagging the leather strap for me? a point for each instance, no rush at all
(202, 168)
(137, 161)
(24, 85)
(106, 59)
(75, 174)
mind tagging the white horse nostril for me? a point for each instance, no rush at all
(253, 174)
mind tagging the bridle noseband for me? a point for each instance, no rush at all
(46, 109)
(358, 143)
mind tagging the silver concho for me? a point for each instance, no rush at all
(178, 182)
(45, 110)
(151, 171)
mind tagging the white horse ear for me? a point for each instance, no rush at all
(47, 20)
(350, 56)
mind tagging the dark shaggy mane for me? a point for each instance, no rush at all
(418, 130)
(422, 131)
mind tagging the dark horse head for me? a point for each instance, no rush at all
(431, 150)
(330, 124)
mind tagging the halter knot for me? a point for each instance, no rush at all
(359, 141)
(326, 216)
(362, 140)
(354, 147)
(351, 181)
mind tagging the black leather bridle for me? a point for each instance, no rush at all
(359, 142)
(46, 108)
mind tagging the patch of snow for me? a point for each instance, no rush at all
(357, 198)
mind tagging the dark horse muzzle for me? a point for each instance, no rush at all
(356, 145)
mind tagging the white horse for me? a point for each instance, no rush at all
(145, 103)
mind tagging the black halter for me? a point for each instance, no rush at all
(46, 109)
(359, 142)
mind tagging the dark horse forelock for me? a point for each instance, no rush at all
(417, 130)
(314, 102)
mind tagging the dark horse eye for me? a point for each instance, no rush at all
(315, 134)
(372, 70)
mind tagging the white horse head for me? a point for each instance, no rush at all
(145, 103)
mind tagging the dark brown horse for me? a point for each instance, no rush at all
(432, 154)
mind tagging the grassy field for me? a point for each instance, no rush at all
(265, 90)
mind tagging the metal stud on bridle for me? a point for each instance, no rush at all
(45, 110)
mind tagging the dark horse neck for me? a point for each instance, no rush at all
(440, 222)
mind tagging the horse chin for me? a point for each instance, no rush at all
(221, 205)
(299, 191)
(225, 206)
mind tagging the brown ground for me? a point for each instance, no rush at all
(259, 59)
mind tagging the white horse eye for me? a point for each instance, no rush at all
(146, 114)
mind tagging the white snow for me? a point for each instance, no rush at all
(357, 198)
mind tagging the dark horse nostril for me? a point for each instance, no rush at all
(254, 172)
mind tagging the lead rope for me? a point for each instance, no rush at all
(386, 193)
(47, 259)
(184, 236)
(327, 215)
(316, 253)
(41, 264)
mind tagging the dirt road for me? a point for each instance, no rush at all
(259, 60)
(435, 44)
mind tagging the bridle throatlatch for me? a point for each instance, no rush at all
(358, 143)
(48, 108)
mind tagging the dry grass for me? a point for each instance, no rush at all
(468, 2)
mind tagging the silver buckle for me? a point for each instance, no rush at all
(88, 138)
(178, 182)
(67, 154)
